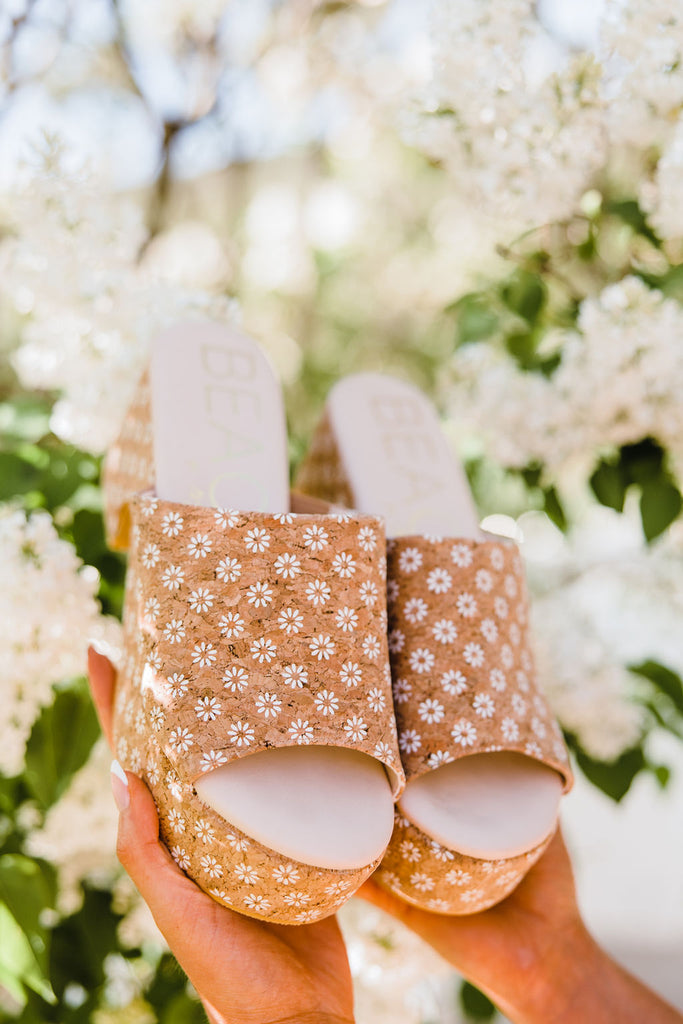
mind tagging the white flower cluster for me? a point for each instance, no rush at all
(72, 271)
(620, 379)
(641, 50)
(601, 600)
(48, 612)
(662, 197)
(396, 976)
(510, 128)
(524, 124)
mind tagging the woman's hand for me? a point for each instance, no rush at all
(245, 971)
(532, 954)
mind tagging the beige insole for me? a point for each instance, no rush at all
(220, 440)
(400, 466)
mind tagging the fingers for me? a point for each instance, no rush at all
(102, 677)
(209, 941)
(165, 889)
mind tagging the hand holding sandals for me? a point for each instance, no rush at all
(244, 970)
(531, 953)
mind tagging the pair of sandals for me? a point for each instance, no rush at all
(263, 633)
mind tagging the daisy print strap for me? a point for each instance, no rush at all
(259, 631)
(461, 655)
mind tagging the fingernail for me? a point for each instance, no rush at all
(119, 786)
(100, 647)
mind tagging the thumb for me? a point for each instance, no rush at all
(160, 882)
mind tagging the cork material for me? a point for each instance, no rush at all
(246, 631)
(430, 876)
(321, 473)
(463, 683)
(461, 660)
(128, 467)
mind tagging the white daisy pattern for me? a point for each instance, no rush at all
(344, 564)
(207, 709)
(268, 705)
(172, 577)
(410, 560)
(204, 654)
(263, 650)
(150, 556)
(287, 566)
(231, 625)
(171, 524)
(444, 631)
(229, 570)
(326, 702)
(235, 679)
(295, 676)
(346, 619)
(257, 541)
(463, 659)
(199, 546)
(259, 594)
(225, 518)
(290, 621)
(350, 674)
(200, 600)
(322, 647)
(241, 734)
(315, 538)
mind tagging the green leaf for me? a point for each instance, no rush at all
(168, 995)
(26, 887)
(476, 319)
(476, 1005)
(660, 504)
(17, 476)
(18, 963)
(525, 294)
(60, 742)
(614, 777)
(24, 418)
(630, 212)
(670, 722)
(642, 461)
(663, 678)
(553, 508)
(670, 283)
(609, 485)
(531, 474)
(68, 468)
(522, 346)
(81, 942)
(88, 534)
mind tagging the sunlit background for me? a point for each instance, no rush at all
(482, 197)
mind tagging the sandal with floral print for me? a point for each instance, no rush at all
(255, 693)
(484, 759)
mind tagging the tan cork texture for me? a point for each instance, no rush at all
(128, 467)
(246, 631)
(463, 683)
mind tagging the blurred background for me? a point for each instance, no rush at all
(482, 196)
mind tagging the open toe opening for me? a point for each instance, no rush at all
(330, 807)
(489, 805)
